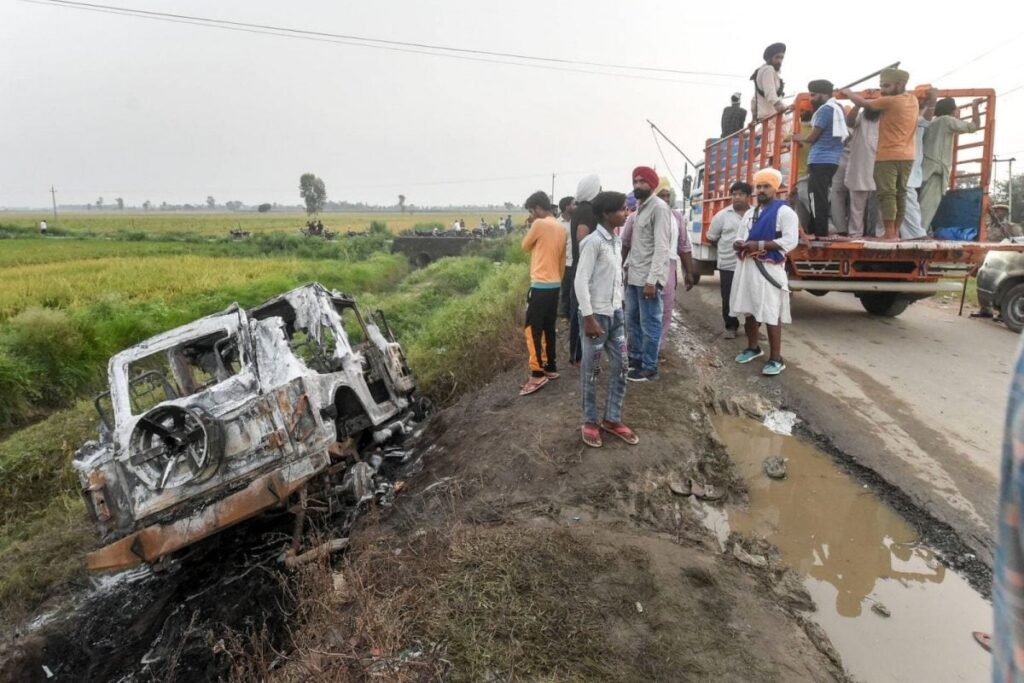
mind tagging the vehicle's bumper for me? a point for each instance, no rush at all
(153, 542)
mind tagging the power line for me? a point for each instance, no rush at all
(981, 56)
(383, 44)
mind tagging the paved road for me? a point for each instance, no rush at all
(919, 398)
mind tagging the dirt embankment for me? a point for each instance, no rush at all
(512, 552)
(519, 554)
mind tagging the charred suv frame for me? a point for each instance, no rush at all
(209, 424)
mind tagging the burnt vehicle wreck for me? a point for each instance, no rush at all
(214, 422)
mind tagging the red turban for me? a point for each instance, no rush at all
(647, 174)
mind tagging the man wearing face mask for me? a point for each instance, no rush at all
(646, 276)
(760, 289)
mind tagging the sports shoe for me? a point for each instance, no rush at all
(747, 355)
(641, 375)
(773, 367)
(634, 364)
(730, 334)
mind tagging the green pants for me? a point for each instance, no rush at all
(891, 185)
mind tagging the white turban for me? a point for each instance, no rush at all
(588, 188)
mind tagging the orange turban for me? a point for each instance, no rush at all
(770, 176)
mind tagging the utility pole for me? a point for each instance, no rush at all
(1009, 182)
(53, 195)
(552, 187)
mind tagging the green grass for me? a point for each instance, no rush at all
(217, 224)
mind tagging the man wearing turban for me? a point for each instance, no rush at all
(760, 290)
(646, 275)
(768, 85)
(828, 131)
(897, 143)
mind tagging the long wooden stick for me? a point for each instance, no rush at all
(894, 65)
(963, 295)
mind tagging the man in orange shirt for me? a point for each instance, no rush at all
(546, 243)
(897, 130)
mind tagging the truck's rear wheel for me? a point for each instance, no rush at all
(1012, 308)
(888, 304)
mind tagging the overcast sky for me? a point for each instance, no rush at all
(101, 104)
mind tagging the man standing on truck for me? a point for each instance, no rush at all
(733, 116)
(828, 130)
(938, 154)
(768, 85)
(723, 232)
(546, 243)
(860, 172)
(896, 137)
(760, 291)
(646, 276)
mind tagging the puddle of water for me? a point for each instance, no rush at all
(853, 550)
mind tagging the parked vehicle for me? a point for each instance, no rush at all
(1001, 286)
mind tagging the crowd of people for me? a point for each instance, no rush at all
(880, 165)
(608, 264)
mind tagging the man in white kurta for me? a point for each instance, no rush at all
(763, 297)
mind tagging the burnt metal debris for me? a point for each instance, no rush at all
(286, 406)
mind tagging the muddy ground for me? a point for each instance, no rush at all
(512, 552)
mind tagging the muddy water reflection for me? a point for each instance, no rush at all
(855, 551)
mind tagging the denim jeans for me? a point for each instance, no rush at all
(612, 341)
(643, 326)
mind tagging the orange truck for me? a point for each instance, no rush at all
(885, 276)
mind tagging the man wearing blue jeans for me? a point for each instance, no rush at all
(647, 264)
(598, 285)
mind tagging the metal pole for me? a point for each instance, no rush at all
(1009, 190)
(552, 187)
(53, 195)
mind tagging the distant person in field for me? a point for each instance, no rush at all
(598, 283)
(582, 223)
(455, 225)
(733, 116)
(760, 290)
(828, 131)
(508, 223)
(546, 243)
(768, 84)
(42, 227)
(723, 232)
(647, 262)
(938, 153)
(565, 210)
(894, 159)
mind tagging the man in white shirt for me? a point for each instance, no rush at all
(723, 232)
(761, 288)
(42, 227)
(768, 85)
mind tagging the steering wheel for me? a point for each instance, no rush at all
(171, 446)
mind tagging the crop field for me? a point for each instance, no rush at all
(155, 224)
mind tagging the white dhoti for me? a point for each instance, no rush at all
(752, 294)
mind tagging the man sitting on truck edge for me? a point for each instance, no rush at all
(723, 232)
(894, 159)
(768, 85)
(826, 140)
(761, 289)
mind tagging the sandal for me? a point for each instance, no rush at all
(622, 431)
(591, 436)
(551, 375)
(983, 639)
(533, 385)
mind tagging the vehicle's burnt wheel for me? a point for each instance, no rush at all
(423, 408)
(171, 446)
(888, 304)
(1012, 308)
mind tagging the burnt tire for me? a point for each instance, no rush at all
(887, 304)
(1012, 308)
